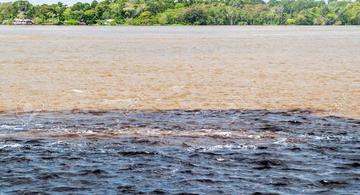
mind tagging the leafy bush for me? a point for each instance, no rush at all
(290, 21)
(71, 22)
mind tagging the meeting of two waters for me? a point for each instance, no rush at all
(200, 110)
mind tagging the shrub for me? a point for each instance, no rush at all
(71, 22)
(290, 21)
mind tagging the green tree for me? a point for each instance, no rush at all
(90, 16)
(23, 9)
(195, 15)
(6, 12)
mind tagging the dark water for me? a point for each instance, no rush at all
(174, 152)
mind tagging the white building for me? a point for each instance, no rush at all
(23, 22)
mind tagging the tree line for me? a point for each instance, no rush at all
(186, 12)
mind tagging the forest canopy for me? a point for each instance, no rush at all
(186, 12)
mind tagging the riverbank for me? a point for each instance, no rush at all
(207, 12)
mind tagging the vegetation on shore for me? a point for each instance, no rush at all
(186, 12)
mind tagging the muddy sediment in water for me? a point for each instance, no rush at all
(103, 68)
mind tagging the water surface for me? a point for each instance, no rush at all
(201, 110)
(179, 151)
(51, 68)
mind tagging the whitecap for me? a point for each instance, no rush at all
(15, 145)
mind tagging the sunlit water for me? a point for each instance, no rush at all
(177, 151)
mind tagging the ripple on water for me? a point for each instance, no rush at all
(200, 152)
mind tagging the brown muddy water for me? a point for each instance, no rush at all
(174, 110)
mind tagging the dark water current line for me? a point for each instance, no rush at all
(179, 151)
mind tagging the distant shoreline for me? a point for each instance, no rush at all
(184, 25)
(182, 12)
